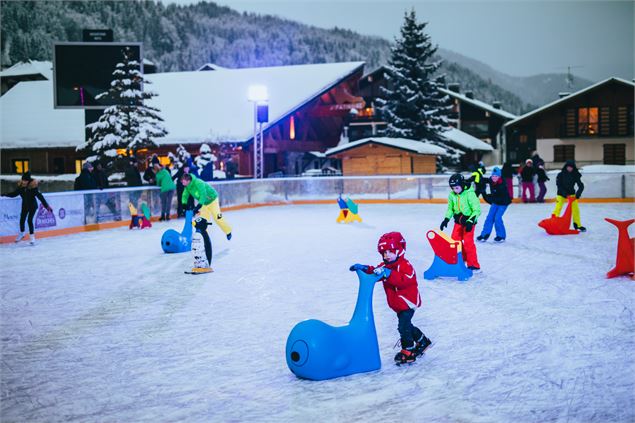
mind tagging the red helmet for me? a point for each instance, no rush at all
(392, 241)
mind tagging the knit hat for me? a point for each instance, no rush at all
(87, 165)
(529, 161)
(27, 176)
(496, 172)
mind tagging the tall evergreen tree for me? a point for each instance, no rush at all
(412, 104)
(130, 124)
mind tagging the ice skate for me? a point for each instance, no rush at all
(20, 236)
(32, 239)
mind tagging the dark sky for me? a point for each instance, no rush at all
(516, 37)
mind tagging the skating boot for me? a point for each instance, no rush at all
(405, 356)
(20, 236)
(422, 345)
(580, 228)
(32, 239)
(482, 238)
(499, 239)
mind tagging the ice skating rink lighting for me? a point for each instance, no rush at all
(257, 93)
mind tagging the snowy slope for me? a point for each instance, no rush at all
(103, 326)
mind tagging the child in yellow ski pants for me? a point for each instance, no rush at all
(575, 209)
(212, 211)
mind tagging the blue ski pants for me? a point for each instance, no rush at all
(495, 218)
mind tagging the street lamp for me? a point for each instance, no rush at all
(258, 95)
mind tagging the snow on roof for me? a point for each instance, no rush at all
(28, 119)
(213, 106)
(31, 67)
(420, 147)
(197, 106)
(478, 103)
(569, 97)
(210, 67)
(466, 140)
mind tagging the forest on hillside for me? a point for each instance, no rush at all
(182, 38)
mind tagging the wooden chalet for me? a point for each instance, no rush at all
(591, 126)
(386, 156)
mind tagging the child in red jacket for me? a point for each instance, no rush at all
(402, 293)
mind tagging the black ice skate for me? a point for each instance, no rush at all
(499, 239)
(422, 345)
(482, 238)
(580, 228)
(405, 356)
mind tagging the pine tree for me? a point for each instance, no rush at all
(130, 124)
(412, 104)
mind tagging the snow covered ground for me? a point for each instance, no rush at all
(103, 326)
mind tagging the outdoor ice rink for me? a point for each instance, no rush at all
(105, 327)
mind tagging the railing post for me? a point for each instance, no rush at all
(623, 186)
(388, 188)
(418, 188)
(249, 192)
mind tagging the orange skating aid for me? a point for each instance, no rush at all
(624, 262)
(560, 225)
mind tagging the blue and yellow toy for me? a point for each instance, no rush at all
(174, 242)
(448, 258)
(318, 351)
(348, 211)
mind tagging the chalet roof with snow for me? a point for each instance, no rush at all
(197, 106)
(478, 103)
(466, 141)
(569, 97)
(413, 146)
(28, 119)
(30, 67)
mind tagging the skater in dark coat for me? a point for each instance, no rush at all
(85, 180)
(542, 178)
(508, 177)
(28, 190)
(499, 200)
(566, 181)
(527, 181)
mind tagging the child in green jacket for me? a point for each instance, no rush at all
(464, 206)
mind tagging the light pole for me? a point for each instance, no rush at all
(258, 95)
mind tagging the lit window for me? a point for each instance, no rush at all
(588, 121)
(292, 128)
(523, 139)
(20, 165)
(78, 165)
(164, 160)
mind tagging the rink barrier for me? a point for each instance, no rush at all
(86, 211)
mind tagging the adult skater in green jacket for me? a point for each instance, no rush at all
(207, 198)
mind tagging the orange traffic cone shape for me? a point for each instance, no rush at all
(624, 263)
(560, 225)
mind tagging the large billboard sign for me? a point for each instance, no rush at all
(82, 71)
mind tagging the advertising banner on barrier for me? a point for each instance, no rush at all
(68, 211)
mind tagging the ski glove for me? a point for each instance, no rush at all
(197, 208)
(358, 266)
(468, 226)
(444, 224)
(382, 271)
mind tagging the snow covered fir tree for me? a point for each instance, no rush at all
(130, 124)
(412, 105)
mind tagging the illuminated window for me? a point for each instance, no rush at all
(588, 121)
(292, 128)
(522, 139)
(78, 165)
(20, 165)
(164, 160)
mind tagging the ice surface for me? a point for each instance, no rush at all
(103, 326)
